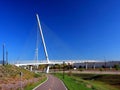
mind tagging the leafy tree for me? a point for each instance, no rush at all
(116, 66)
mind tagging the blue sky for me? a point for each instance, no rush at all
(73, 29)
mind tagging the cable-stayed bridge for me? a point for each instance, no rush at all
(47, 61)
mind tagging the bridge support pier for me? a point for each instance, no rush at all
(24, 67)
(94, 67)
(31, 68)
(86, 66)
(37, 66)
(47, 69)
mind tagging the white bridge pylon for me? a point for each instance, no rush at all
(43, 42)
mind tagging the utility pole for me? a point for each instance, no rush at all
(36, 51)
(7, 57)
(105, 63)
(63, 69)
(3, 55)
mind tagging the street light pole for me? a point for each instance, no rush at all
(3, 55)
(63, 69)
(21, 80)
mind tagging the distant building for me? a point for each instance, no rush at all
(108, 64)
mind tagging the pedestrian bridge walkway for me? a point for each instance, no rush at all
(41, 62)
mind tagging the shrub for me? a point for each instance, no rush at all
(101, 69)
(81, 69)
(36, 75)
(70, 73)
(116, 66)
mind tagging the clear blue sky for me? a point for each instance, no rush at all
(73, 29)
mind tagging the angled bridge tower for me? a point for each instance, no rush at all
(43, 42)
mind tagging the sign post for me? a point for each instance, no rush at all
(21, 74)
(63, 69)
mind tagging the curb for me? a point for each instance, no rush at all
(63, 84)
(40, 84)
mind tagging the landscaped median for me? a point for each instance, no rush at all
(89, 81)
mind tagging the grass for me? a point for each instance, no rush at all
(90, 81)
(10, 74)
(72, 83)
(11, 71)
(32, 86)
(110, 82)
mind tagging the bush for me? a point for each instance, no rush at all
(101, 69)
(70, 73)
(81, 69)
(116, 66)
(36, 75)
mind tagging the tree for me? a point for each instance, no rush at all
(116, 66)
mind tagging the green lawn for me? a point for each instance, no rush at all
(90, 81)
(73, 84)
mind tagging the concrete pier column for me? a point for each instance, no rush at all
(47, 70)
(25, 67)
(86, 66)
(31, 68)
(94, 66)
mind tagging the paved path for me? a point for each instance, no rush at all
(52, 83)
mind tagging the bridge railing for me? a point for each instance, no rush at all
(51, 61)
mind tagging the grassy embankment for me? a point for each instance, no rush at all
(101, 81)
(91, 81)
(33, 85)
(10, 74)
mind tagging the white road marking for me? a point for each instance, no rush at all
(41, 84)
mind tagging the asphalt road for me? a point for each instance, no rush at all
(52, 83)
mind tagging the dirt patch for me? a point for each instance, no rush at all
(89, 86)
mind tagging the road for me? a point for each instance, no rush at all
(52, 83)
